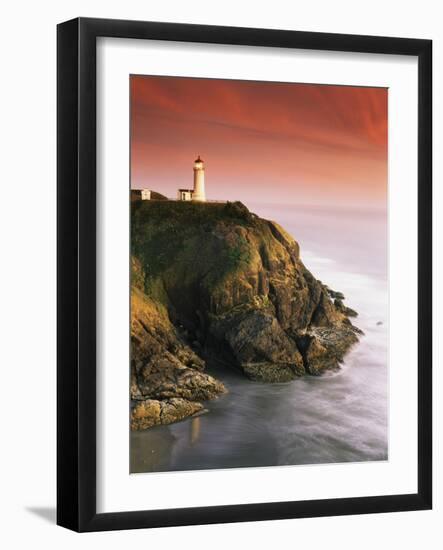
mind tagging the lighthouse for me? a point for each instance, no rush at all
(199, 181)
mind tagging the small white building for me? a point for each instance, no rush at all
(185, 194)
(141, 195)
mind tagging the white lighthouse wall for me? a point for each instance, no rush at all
(199, 185)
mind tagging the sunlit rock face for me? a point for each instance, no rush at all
(216, 282)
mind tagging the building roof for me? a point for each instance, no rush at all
(198, 159)
(187, 190)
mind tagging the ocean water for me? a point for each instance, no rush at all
(338, 417)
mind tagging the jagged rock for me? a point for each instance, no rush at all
(163, 366)
(151, 412)
(339, 304)
(344, 309)
(315, 355)
(324, 348)
(259, 345)
(335, 294)
(162, 376)
(350, 312)
(273, 372)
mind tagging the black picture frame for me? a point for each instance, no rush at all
(76, 278)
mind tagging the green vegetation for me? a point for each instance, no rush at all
(183, 242)
(238, 254)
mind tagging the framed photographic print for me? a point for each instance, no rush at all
(244, 274)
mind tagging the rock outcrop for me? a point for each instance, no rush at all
(216, 281)
(167, 378)
(150, 412)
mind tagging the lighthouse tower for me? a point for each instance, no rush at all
(199, 181)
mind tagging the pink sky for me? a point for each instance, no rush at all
(261, 142)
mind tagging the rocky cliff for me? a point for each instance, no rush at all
(215, 281)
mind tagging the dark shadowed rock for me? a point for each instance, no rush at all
(335, 294)
(259, 345)
(344, 309)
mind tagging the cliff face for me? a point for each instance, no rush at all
(167, 378)
(215, 281)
